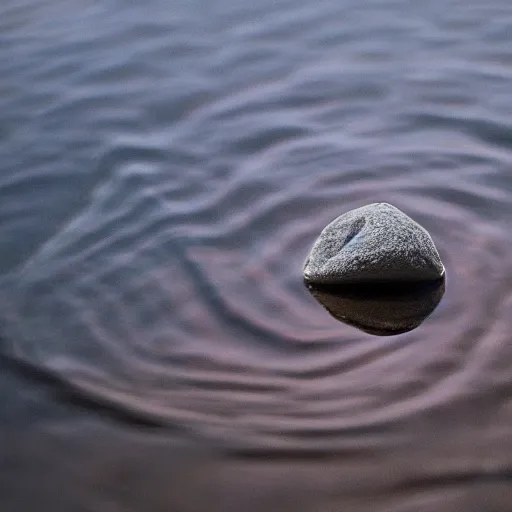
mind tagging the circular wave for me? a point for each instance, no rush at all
(168, 280)
(208, 327)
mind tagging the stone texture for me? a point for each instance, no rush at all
(373, 243)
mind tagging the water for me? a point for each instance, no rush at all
(165, 168)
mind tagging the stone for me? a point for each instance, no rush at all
(374, 243)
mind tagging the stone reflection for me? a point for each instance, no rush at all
(382, 309)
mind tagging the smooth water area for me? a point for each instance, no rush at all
(165, 167)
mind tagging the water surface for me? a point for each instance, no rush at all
(165, 168)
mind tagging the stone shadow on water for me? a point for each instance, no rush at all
(380, 308)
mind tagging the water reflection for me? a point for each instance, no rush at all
(382, 309)
(165, 167)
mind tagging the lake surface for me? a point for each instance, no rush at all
(165, 167)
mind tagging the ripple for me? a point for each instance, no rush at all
(159, 199)
(142, 308)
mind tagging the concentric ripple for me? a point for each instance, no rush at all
(157, 220)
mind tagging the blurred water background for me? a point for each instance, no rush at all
(165, 167)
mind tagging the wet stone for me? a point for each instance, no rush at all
(374, 243)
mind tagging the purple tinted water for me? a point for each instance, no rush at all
(164, 170)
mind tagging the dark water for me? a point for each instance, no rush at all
(165, 168)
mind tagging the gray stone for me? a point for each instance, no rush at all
(373, 243)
